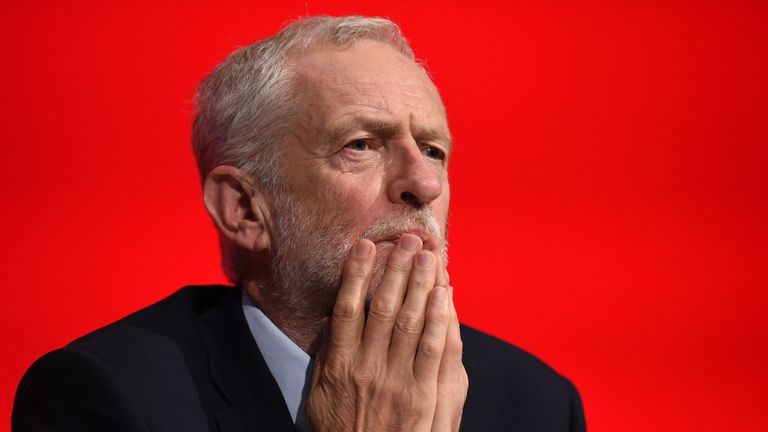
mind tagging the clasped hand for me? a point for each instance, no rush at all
(398, 367)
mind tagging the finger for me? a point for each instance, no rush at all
(450, 380)
(454, 329)
(442, 278)
(410, 320)
(437, 246)
(349, 311)
(432, 343)
(388, 298)
(453, 345)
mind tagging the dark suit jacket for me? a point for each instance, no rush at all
(189, 363)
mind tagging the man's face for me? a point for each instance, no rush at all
(367, 158)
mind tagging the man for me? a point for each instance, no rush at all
(323, 153)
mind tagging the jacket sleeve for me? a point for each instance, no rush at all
(72, 390)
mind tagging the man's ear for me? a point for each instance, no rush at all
(238, 208)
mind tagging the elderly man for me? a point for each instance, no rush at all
(323, 152)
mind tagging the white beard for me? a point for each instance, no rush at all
(309, 252)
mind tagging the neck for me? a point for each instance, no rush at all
(302, 324)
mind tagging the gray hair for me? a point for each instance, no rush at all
(247, 104)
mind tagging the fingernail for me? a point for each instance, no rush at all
(438, 295)
(409, 243)
(362, 249)
(424, 259)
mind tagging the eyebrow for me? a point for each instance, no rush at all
(384, 129)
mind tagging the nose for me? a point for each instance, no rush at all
(415, 180)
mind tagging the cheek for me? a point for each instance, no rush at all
(358, 197)
(440, 205)
(351, 202)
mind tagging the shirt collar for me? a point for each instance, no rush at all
(289, 364)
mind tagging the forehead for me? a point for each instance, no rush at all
(369, 77)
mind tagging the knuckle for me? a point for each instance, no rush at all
(408, 324)
(399, 264)
(335, 369)
(431, 348)
(362, 377)
(334, 364)
(345, 310)
(355, 271)
(407, 400)
(381, 310)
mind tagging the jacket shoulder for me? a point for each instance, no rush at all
(172, 319)
(182, 306)
(143, 363)
(68, 389)
(511, 387)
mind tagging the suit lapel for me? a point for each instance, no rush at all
(239, 371)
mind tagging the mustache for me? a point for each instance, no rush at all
(422, 221)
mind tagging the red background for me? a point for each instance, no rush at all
(610, 183)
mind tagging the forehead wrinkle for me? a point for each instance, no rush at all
(414, 96)
(377, 81)
(408, 88)
(358, 120)
(371, 100)
(381, 102)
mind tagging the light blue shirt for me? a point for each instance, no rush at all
(290, 365)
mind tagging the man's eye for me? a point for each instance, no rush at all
(358, 144)
(433, 153)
